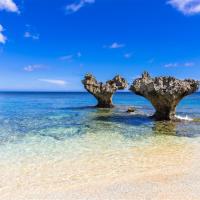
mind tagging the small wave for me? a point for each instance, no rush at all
(186, 118)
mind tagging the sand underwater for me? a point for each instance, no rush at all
(53, 146)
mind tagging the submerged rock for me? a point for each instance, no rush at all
(104, 92)
(131, 110)
(164, 93)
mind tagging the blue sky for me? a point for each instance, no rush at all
(50, 44)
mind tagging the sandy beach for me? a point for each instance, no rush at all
(166, 169)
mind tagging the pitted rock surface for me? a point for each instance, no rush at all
(104, 92)
(164, 93)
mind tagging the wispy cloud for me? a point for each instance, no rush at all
(114, 45)
(9, 5)
(187, 7)
(70, 58)
(76, 6)
(67, 58)
(128, 55)
(31, 33)
(2, 37)
(186, 64)
(189, 64)
(54, 81)
(169, 65)
(28, 34)
(79, 54)
(151, 61)
(31, 68)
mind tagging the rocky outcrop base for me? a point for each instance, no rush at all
(164, 93)
(104, 92)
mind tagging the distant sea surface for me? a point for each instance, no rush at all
(57, 146)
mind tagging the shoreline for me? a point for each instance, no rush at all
(161, 170)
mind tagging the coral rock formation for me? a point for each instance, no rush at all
(131, 110)
(104, 92)
(164, 93)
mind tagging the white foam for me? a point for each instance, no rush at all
(186, 118)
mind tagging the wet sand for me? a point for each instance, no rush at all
(166, 169)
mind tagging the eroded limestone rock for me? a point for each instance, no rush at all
(131, 110)
(104, 92)
(164, 93)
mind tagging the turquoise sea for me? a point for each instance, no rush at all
(55, 144)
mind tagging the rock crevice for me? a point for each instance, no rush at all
(164, 93)
(104, 92)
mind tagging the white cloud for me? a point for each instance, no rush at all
(114, 45)
(9, 5)
(128, 55)
(187, 7)
(70, 58)
(168, 65)
(31, 32)
(79, 54)
(189, 64)
(186, 64)
(34, 36)
(74, 7)
(2, 37)
(31, 68)
(54, 81)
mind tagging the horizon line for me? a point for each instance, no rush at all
(46, 91)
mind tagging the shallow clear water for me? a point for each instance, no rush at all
(58, 140)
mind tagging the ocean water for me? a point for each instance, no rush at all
(57, 146)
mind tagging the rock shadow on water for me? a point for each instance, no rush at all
(177, 129)
(135, 120)
(170, 128)
(165, 128)
(78, 108)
